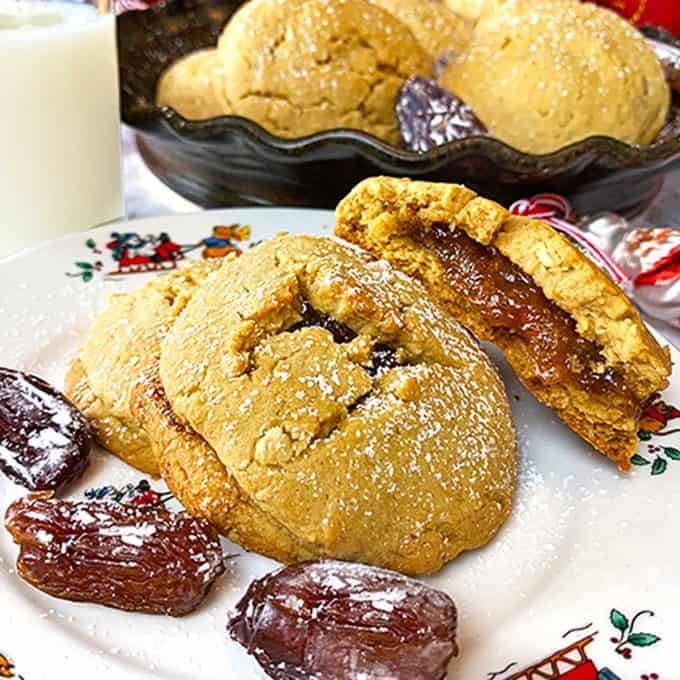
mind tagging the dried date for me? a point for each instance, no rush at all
(383, 357)
(44, 440)
(138, 559)
(337, 620)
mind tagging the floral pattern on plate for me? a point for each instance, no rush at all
(134, 253)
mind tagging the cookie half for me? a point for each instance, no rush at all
(118, 346)
(570, 333)
(347, 405)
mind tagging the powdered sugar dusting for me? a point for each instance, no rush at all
(423, 448)
(566, 539)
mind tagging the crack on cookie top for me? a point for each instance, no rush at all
(383, 357)
(313, 317)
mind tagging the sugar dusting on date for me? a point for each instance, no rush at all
(44, 440)
(138, 559)
(337, 620)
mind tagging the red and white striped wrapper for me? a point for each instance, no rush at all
(132, 5)
(644, 262)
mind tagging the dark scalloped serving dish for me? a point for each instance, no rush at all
(233, 161)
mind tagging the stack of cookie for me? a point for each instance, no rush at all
(539, 74)
(311, 401)
(308, 401)
(300, 66)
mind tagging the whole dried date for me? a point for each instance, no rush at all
(44, 440)
(139, 559)
(429, 115)
(337, 620)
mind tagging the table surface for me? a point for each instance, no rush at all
(145, 196)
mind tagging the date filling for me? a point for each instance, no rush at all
(383, 356)
(509, 302)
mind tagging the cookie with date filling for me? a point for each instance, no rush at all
(544, 74)
(200, 481)
(119, 343)
(570, 333)
(441, 32)
(298, 67)
(346, 405)
(194, 86)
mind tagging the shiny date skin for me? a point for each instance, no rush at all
(340, 621)
(45, 441)
(138, 559)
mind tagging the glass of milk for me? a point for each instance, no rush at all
(59, 120)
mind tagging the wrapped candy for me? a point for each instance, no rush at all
(644, 262)
(667, 50)
(647, 12)
(651, 258)
(429, 115)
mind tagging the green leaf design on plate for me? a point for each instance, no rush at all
(642, 639)
(619, 620)
(659, 466)
(90, 243)
(644, 435)
(673, 454)
(637, 459)
(87, 276)
(84, 265)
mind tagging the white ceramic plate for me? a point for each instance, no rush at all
(588, 551)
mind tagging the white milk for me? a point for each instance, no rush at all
(59, 121)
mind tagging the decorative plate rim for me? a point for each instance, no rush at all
(570, 602)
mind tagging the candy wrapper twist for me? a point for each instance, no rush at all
(644, 262)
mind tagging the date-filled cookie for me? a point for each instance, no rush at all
(347, 406)
(543, 74)
(194, 86)
(570, 333)
(301, 66)
(120, 343)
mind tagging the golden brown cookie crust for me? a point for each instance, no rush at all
(382, 213)
(124, 438)
(194, 86)
(130, 329)
(382, 470)
(543, 74)
(472, 10)
(441, 32)
(201, 483)
(300, 66)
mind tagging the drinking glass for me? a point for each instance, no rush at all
(59, 120)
